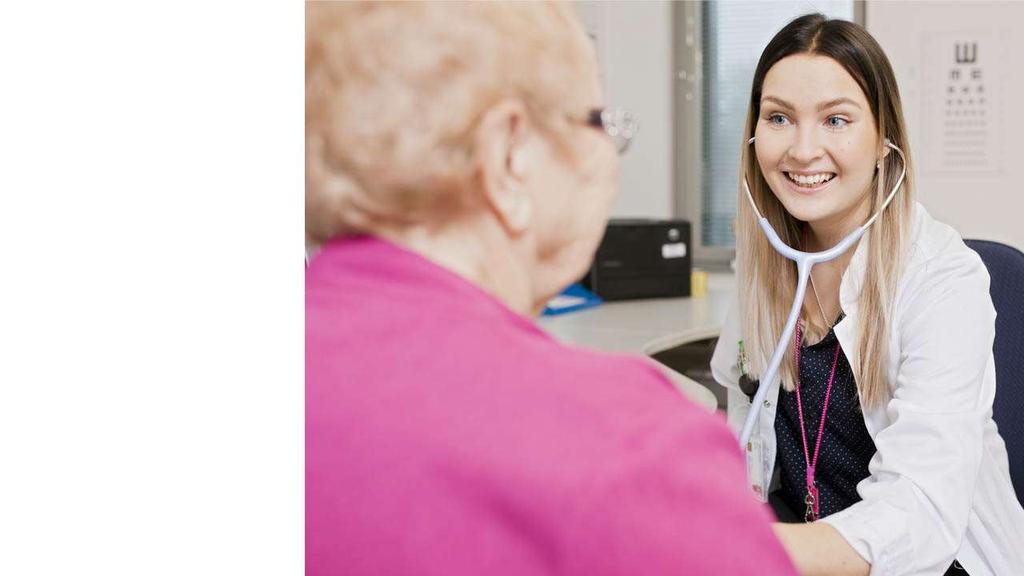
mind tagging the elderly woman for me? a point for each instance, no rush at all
(459, 173)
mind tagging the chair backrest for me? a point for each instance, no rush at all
(1006, 268)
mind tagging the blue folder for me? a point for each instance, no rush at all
(573, 298)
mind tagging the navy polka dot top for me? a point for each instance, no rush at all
(846, 446)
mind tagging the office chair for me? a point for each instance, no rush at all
(1006, 268)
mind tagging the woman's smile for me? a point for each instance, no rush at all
(809, 184)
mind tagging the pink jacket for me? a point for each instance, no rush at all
(446, 434)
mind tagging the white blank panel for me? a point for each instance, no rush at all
(634, 43)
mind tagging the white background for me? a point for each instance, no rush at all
(151, 322)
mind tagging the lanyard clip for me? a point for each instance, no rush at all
(810, 514)
(811, 500)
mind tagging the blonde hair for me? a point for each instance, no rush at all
(394, 91)
(767, 279)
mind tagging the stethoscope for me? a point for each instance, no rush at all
(804, 262)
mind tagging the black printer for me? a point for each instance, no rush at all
(641, 258)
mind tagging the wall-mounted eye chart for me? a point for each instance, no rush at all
(961, 78)
(979, 196)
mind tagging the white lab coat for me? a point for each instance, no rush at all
(939, 485)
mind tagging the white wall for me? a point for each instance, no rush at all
(634, 43)
(985, 201)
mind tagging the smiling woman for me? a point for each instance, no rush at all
(881, 426)
(825, 109)
(806, 143)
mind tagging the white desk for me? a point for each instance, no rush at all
(651, 326)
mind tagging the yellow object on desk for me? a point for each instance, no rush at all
(698, 283)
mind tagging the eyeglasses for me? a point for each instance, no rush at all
(620, 125)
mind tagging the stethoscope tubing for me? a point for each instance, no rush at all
(805, 261)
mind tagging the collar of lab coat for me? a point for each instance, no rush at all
(849, 298)
(853, 279)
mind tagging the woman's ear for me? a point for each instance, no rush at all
(503, 165)
(884, 152)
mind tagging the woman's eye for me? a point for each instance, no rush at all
(837, 122)
(772, 119)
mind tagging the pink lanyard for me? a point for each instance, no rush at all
(811, 500)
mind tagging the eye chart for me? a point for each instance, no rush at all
(961, 102)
